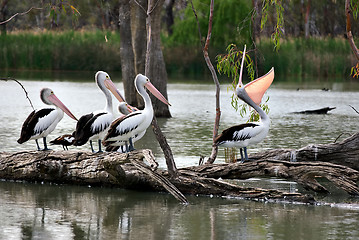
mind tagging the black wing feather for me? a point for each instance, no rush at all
(113, 132)
(83, 128)
(28, 127)
(227, 134)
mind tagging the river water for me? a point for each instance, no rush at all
(47, 211)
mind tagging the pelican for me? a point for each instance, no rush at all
(94, 126)
(246, 134)
(40, 123)
(124, 109)
(135, 124)
(64, 140)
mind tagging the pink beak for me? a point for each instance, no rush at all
(156, 93)
(111, 86)
(257, 87)
(58, 103)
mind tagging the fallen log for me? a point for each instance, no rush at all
(115, 169)
(344, 153)
(304, 173)
(337, 162)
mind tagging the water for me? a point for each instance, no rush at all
(45, 211)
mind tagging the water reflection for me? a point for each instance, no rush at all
(40, 211)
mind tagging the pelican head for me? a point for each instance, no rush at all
(48, 97)
(255, 89)
(142, 81)
(124, 108)
(103, 80)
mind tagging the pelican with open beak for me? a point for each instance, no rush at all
(246, 134)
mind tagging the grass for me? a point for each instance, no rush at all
(67, 50)
(89, 51)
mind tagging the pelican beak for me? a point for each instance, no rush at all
(259, 86)
(156, 93)
(132, 109)
(59, 104)
(111, 86)
(242, 64)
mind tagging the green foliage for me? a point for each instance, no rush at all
(230, 64)
(279, 9)
(355, 71)
(231, 23)
(354, 5)
(302, 58)
(70, 50)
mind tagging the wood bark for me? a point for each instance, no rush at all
(155, 64)
(139, 36)
(344, 153)
(127, 54)
(337, 162)
(115, 169)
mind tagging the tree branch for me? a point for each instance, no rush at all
(349, 29)
(26, 93)
(20, 14)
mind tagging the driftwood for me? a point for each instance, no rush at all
(115, 169)
(316, 111)
(337, 162)
(344, 153)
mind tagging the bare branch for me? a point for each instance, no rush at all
(213, 156)
(349, 29)
(138, 4)
(20, 14)
(22, 86)
(199, 28)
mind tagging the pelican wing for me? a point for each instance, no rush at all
(37, 122)
(238, 133)
(89, 125)
(259, 86)
(124, 125)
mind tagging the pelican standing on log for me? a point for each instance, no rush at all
(118, 146)
(246, 134)
(94, 126)
(135, 124)
(40, 123)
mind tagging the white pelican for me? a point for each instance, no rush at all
(94, 126)
(246, 134)
(41, 123)
(135, 124)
